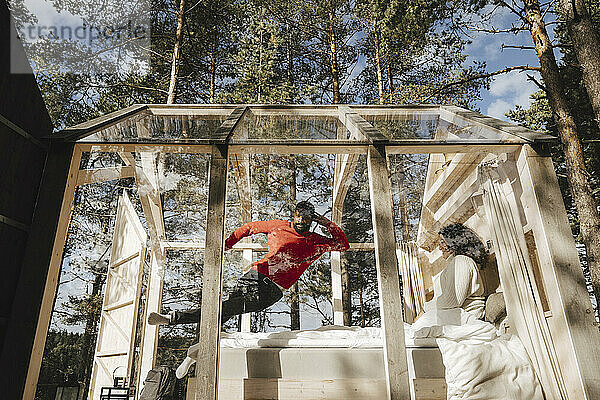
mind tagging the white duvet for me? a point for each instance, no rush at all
(480, 364)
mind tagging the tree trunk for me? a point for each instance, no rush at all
(294, 308)
(589, 219)
(290, 64)
(587, 48)
(213, 71)
(346, 292)
(294, 300)
(176, 54)
(361, 301)
(390, 84)
(335, 72)
(378, 62)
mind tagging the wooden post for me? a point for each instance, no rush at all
(148, 188)
(388, 277)
(572, 325)
(345, 164)
(207, 363)
(241, 168)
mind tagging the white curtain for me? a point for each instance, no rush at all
(522, 299)
(412, 281)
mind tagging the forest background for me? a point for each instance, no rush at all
(297, 52)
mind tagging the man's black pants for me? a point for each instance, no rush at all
(252, 292)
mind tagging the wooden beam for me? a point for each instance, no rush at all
(207, 363)
(53, 276)
(225, 131)
(201, 147)
(460, 146)
(450, 177)
(87, 128)
(357, 125)
(388, 276)
(573, 328)
(321, 147)
(149, 190)
(191, 110)
(296, 112)
(98, 175)
(329, 146)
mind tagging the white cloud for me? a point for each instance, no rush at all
(507, 91)
(497, 109)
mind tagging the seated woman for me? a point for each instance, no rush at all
(459, 284)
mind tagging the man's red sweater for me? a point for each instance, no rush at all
(290, 253)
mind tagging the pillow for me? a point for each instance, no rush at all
(488, 370)
(495, 308)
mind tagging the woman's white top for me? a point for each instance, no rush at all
(458, 285)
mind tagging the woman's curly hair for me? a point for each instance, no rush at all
(464, 241)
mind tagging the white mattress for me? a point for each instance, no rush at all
(331, 336)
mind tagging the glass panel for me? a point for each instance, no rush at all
(362, 271)
(262, 124)
(183, 183)
(71, 338)
(407, 124)
(161, 127)
(298, 123)
(264, 187)
(432, 192)
(182, 290)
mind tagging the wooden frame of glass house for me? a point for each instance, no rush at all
(495, 177)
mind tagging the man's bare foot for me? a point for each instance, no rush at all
(158, 319)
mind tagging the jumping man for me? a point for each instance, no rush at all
(292, 249)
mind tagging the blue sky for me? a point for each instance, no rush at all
(510, 89)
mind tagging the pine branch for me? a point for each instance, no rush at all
(127, 85)
(538, 84)
(513, 46)
(478, 77)
(513, 29)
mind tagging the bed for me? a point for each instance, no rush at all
(331, 362)
(450, 355)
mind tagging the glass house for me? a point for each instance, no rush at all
(174, 180)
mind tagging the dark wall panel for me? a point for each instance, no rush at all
(21, 101)
(21, 166)
(23, 118)
(12, 243)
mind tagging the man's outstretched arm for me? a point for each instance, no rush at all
(249, 229)
(339, 241)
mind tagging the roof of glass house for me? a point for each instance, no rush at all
(271, 125)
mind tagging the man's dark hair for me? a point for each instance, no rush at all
(305, 206)
(464, 241)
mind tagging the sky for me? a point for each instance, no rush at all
(509, 89)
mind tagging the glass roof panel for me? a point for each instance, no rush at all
(301, 123)
(160, 128)
(403, 124)
(277, 124)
